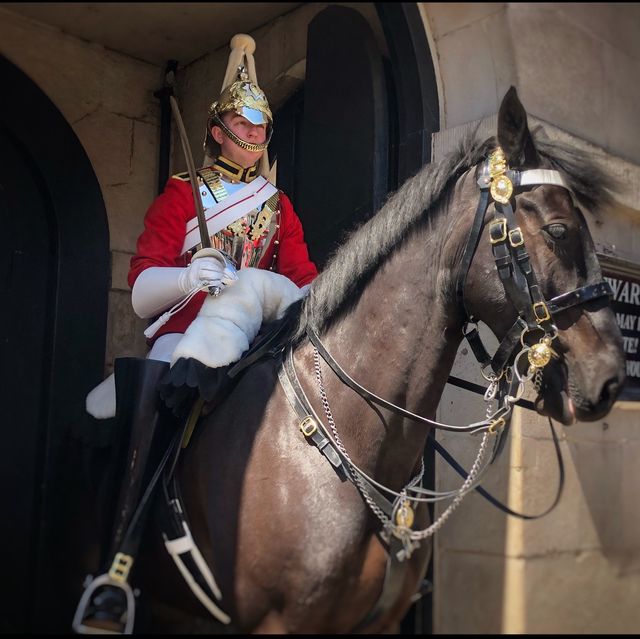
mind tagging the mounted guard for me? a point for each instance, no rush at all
(222, 251)
(326, 527)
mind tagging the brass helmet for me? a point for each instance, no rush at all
(241, 94)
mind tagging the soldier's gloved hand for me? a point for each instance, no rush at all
(207, 272)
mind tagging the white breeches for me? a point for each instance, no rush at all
(164, 346)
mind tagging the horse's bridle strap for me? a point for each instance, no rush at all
(472, 244)
(531, 177)
(579, 296)
(301, 406)
(319, 435)
(432, 443)
(514, 267)
(366, 394)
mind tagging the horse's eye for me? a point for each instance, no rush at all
(556, 231)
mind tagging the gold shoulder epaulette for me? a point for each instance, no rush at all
(213, 181)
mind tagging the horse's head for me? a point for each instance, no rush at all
(583, 381)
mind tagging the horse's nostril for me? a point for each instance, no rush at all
(610, 391)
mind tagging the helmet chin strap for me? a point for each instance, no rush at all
(248, 146)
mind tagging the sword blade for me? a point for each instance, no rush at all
(202, 223)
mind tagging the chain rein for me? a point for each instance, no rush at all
(399, 524)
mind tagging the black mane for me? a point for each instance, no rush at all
(366, 248)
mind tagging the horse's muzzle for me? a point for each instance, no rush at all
(569, 394)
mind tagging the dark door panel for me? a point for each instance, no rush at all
(54, 279)
(343, 164)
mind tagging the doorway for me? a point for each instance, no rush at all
(54, 278)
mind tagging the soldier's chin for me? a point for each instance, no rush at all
(553, 400)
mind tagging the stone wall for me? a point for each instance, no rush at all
(577, 570)
(107, 98)
(575, 65)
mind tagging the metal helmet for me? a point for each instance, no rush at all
(240, 94)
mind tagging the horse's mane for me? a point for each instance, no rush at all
(367, 247)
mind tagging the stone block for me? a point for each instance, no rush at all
(108, 140)
(133, 180)
(144, 158)
(445, 18)
(621, 96)
(470, 90)
(468, 593)
(125, 331)
(476, 526)
(561, 72)
(615, 23)
(120, 262)
(127, 87)
(126, 207)
(576, 593)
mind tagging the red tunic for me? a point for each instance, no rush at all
(160, 244)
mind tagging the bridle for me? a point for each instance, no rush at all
(497, 184)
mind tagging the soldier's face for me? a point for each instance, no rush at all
(245, 130)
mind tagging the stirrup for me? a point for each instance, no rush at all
(78, 624)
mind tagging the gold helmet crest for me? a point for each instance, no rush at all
(240, 94)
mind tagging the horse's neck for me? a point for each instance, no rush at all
(400, 342)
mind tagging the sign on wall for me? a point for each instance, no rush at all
(624, 279)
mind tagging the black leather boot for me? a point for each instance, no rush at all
(108, 603)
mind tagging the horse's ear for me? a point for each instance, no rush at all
(513, 132)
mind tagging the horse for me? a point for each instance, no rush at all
(294, 547)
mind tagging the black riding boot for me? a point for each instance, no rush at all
(108, 601)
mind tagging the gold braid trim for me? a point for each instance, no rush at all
(214, 182)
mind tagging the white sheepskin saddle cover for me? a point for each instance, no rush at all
(227, 324)
(223, 330)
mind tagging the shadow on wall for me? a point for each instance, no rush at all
(609, 476)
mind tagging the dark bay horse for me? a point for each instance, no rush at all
(293, 547)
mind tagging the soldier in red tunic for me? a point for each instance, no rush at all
(249, 220)
(208, 304)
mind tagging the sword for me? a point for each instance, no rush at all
(202, 222)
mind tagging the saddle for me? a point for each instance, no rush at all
(188, 379)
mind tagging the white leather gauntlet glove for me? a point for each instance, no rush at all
(212, 268)
(159, 287)
(206, 271)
